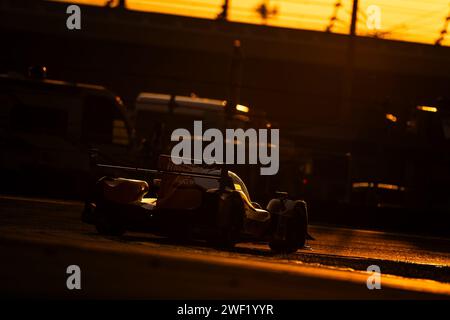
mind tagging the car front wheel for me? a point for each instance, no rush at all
(290, 223)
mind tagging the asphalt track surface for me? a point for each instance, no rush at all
(40, 238)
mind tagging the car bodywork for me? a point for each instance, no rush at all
(193, 201)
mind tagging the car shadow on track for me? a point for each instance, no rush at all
(246, 248)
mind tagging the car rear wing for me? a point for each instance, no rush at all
(157, 171)
(167, 166)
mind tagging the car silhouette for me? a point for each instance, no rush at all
(194, 201)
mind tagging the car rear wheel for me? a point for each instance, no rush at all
(108, 226)
(228, 234)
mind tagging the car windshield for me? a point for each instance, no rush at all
(239, 184)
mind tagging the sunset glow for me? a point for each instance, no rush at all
(406, 20)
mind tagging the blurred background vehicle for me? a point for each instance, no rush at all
(49, 130)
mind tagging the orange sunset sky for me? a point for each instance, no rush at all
(407, 20)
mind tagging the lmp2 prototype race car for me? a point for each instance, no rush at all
(195, 202)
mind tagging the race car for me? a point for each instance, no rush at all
(195, 202)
